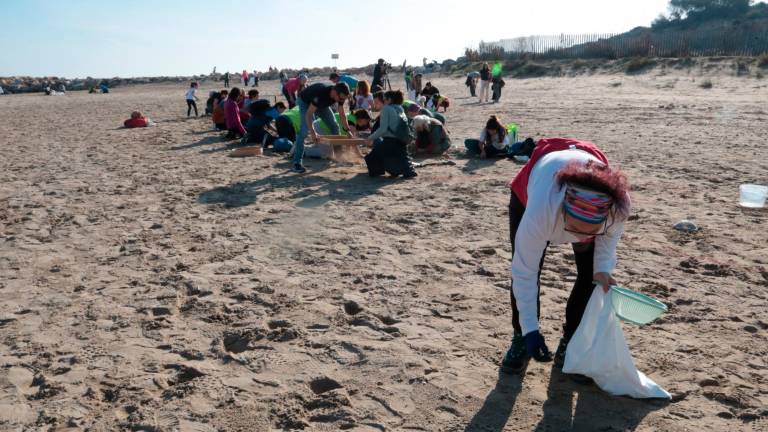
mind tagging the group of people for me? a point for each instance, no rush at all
(489, 82)
(567, 192)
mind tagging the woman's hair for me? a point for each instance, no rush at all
(379, 95)
(424, 123)
(598, 177)
(362, 114)
(234, 93)
(224, 93)
(136, 114)
(193, 84)
(363, 88)
(253, 93)
(494, 123)
(395, 97)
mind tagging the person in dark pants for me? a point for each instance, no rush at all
(390, 139)
(378, 74)
(566, 193)
(191, 99)
(226, 80)
(497, 83)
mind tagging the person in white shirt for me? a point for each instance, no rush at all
(192, 98)
(566, 193)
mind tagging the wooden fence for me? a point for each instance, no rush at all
(671, 43)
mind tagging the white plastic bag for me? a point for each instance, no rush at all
(598, 350)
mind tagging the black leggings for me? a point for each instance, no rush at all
(191, 104)
(582, 288)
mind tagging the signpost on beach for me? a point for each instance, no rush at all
(334, 57)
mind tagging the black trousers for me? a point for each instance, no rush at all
(191, 104)
(582, 289)
(388, 156)
(285, 128)
(291, 102)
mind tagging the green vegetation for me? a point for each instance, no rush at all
(638, 64)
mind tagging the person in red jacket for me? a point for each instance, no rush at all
(136, 120)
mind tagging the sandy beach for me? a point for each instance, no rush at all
(151, 283)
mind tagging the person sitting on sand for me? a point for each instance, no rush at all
(390, 154)
(259, 124)
(494, 140)
(566, 193)
(104, 87)
(431, 136)
(253, 95)
(232, 115)
(137, 120)
(429, 90)
(212, 96)
(218, 117)
(288, 124)
(363, 97)
(413, 109)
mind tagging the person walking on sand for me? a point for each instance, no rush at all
(191, 99)
(485, 82)
(566, 193)
(226, 79)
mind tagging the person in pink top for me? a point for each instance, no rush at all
(232, 115)
(292, 87)
(245, 77)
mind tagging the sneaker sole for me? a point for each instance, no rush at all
(514, 371)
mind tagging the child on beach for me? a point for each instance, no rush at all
(235, 127)
(137, 120)
(494, 140)
(191, 98)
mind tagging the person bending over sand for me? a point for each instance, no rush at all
(566, 193)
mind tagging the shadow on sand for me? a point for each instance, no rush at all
(313, 190)
(594, 410)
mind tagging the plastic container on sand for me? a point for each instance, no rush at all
(752, 195)
(634, 307)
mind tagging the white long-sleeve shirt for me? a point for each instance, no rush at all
(191, 93)
(543, 222)
(499, 145)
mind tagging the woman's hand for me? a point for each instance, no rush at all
(604, 279)
(313, 136)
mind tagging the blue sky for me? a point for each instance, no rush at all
(78, 38)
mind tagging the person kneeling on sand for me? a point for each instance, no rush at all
(431, 136)
(137, 120)
(413, 109)
(259, 124)
(232, 115)
(390, 154)
(494, 140)
(566, 193)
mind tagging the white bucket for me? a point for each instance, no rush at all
(752, 195)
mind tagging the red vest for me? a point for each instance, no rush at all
(519, 184)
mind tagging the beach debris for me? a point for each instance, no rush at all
(686, 226)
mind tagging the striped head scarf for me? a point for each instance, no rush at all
(587, 205)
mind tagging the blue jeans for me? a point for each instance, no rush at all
(325, 114)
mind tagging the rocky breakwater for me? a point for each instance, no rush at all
(25, 84)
